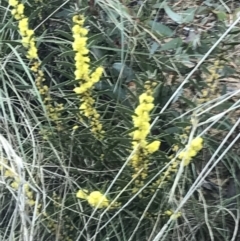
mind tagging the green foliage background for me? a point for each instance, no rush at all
(134, 41)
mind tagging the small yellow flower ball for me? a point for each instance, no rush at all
(31, 202)
(15, 185)
(168, 212)
(186, 160)
(97, 199)
(78, 19)
(9, 173)
(176, 215)
(20, 8)
(153, 147)
(13, 3)
(191, 152)
(83, 194)
(175, 148)
(197, 144)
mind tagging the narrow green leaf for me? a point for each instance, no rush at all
(65, 14)
(174, 16)
(188, 15)
(126, 72)
(45, 60)
(180, 18)
(67, 53)
(65, 34)
(23, 87)
(172, 44)
(158, 5)
(154, 47)
(160, 28)
(58, 86)
(222, 16)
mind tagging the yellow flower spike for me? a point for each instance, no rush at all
(191, 151)
(84, 76)
(29, 42)
(141, 119)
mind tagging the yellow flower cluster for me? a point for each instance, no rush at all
(173, 167)
(64, 229)
(28, 193)
(166, 176)
(8, 173)
(211, 91)
(191, 151)
(141, 121)
(173, 215)
(96, 199)
(85, 78)
(27, 34)
(29, 42)
(41, 4)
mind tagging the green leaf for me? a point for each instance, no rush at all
(65, 34)
(23, 87)
(73, 95)
(158, 5)
(160, 28)
(184, 17)
(66, 64)
(236, 14)
(232, 43)
(66, 83)
(187, 101)
(45, 60)
(98, 53)
(222, 16)
(181, 125)
(172, 130)
(227, 71)
(66, 13)
(172, 44)
(126, 72)
(119, 94)
(154, 47)
(67, 53)
(65, 74)
(189, 15)
(174, 16)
